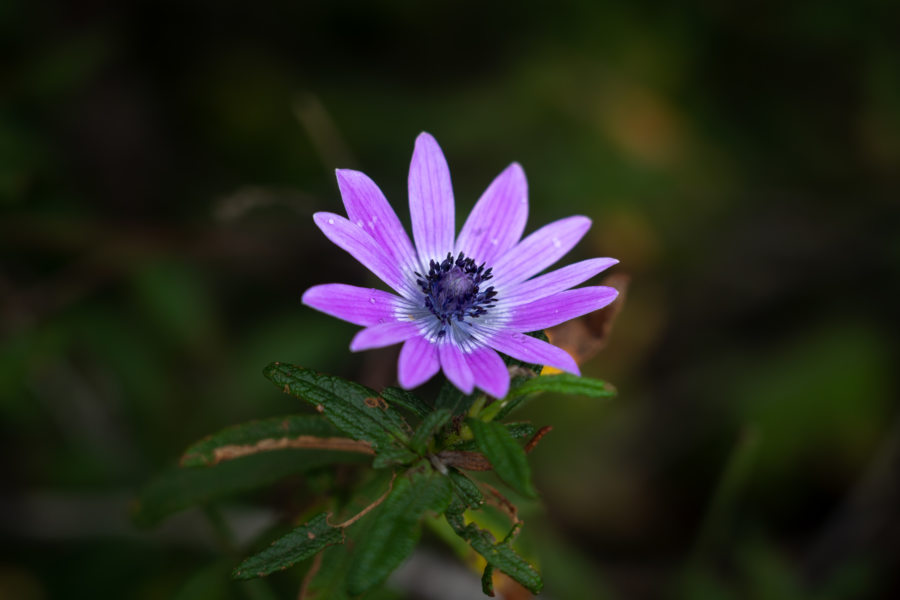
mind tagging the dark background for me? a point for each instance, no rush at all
(159, 166)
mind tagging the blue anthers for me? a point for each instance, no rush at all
(452, 290)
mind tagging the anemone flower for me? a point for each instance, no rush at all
(457, 302)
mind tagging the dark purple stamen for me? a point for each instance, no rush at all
(452, 290)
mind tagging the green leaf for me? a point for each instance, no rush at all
(330, 581)
(487, 580)
(499, 556)
(465, 493)
(395, 528)
(299, 544)
(430, 424)
(520, 430)
(505, 455)
(450, 398)
(177, 489)
(353, 408)
(399, 397)
(564, 383)
(393, 455)
(255, 435)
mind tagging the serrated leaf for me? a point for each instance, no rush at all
(500, 556)
(393, 455)
(299, 544)
(520, 430)
(450, 398)
(564, 383)
(465, 493)
(399, 397)
(395, 528)
(427, 428)
(505, 455)
(177, 488)
(256, 436)
(353, 408)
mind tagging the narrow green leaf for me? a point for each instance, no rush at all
(255, 435)
(393, 455)
(395, 528)
(430, 424)
(499, 556)
(353, 408)
(487, 580)
(465, 493)
(520, 430)
(299, 544)
(399, 397)
(505, 455)
(452, 399)
(564, 383)
(177, 489)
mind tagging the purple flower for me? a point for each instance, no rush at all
(457, 302)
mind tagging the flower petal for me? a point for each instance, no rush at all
(556, 281)
(529, 349)
(366, 206)
(560, 307)
(456, 368)
(360, 245)
(418, 362)
(496, 223)
(489, 371)
(431, 200)
(357, 305)
(539, 250)
(383, 334)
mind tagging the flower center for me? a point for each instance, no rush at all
(453, 290)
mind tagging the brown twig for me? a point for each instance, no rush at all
(367, 509)
(309, 442)
(476, 461)
(313, 569)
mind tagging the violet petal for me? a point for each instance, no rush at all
(366, 206)
(489, 371)
(533, 350)
(418, 362)
(498, 219)
(357, 305)
(431, 200)
(383, 334)
(453, 362)
(560, 307)
(360, 245)
(556, 281)
(539, 250)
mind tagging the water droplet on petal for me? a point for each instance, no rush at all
(523, 200)
(359, 223)
(331, 221)
(371, 300)
(556, 243)
(494, 241)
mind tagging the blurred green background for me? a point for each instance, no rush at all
(159, 166)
